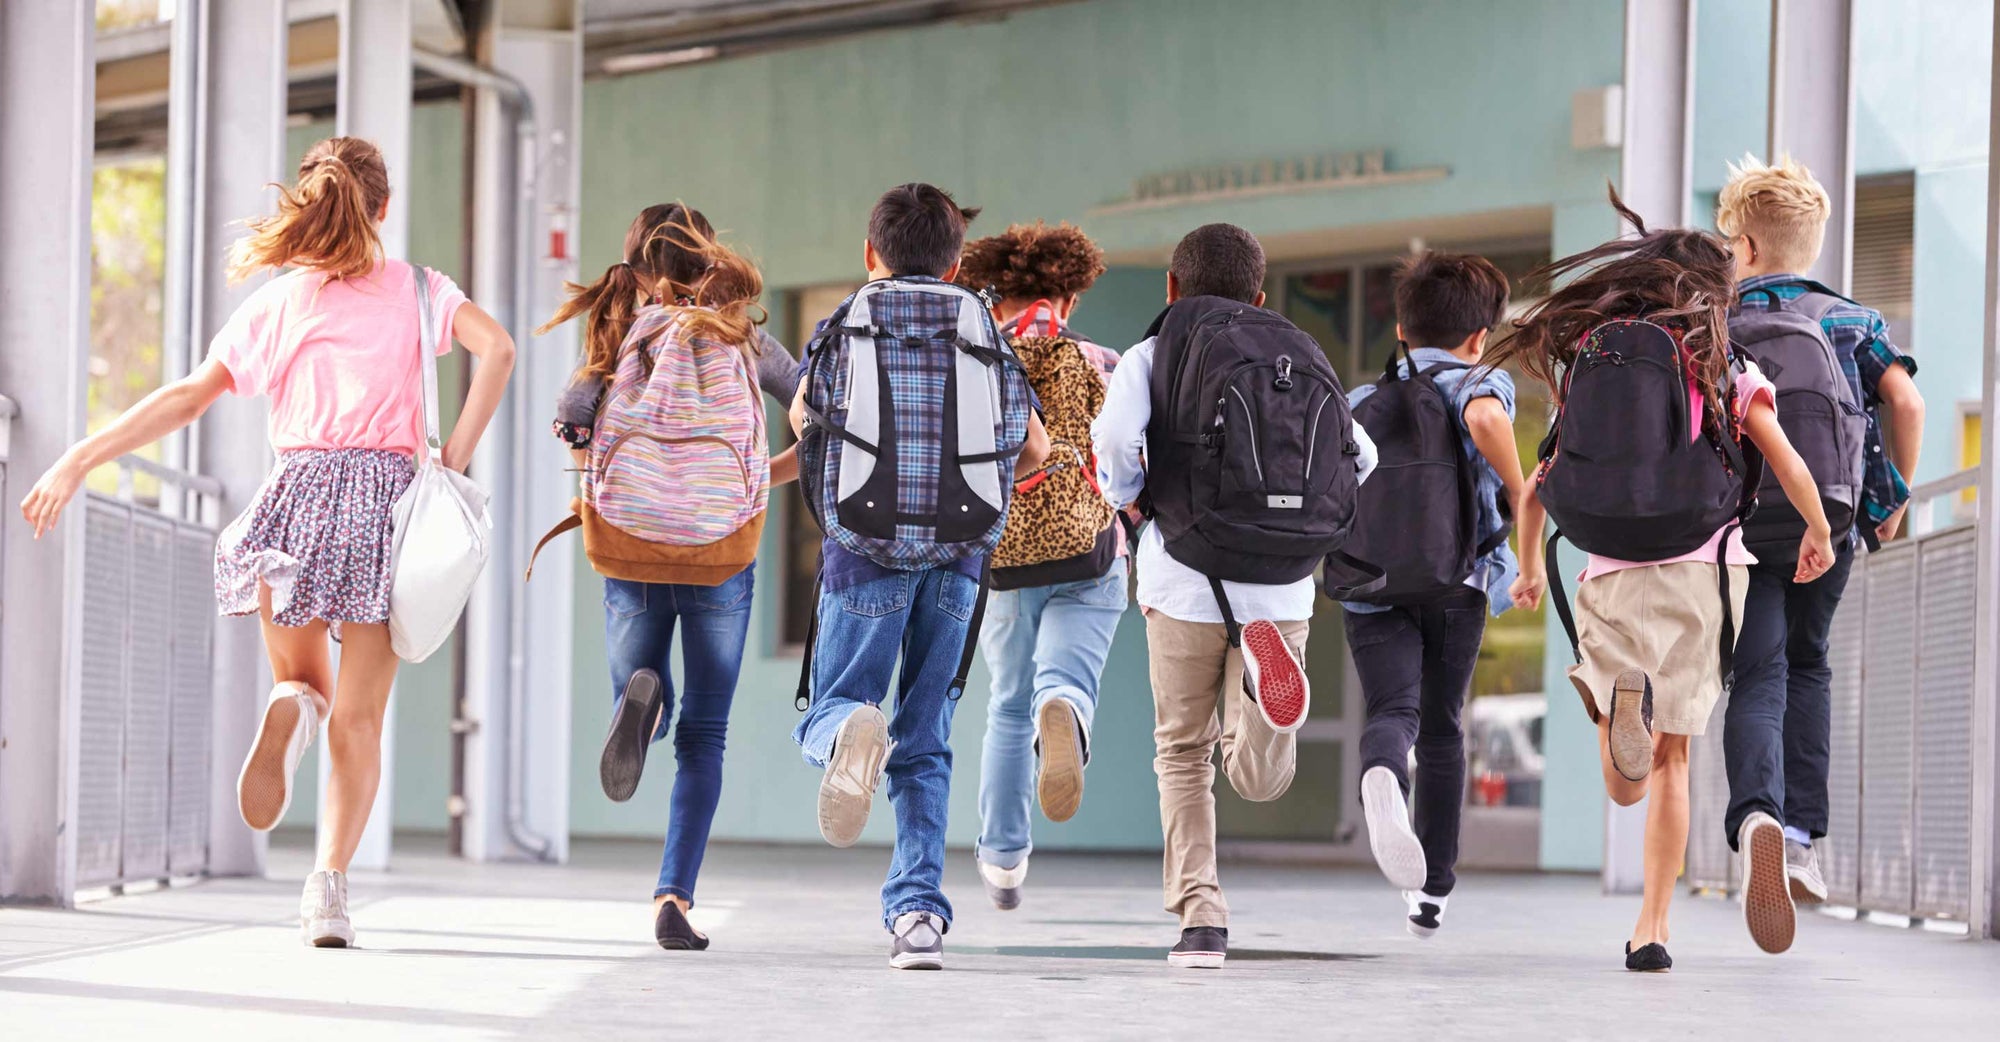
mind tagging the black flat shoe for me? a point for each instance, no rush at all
(1650, 958)
(672, 929)
(631, 734)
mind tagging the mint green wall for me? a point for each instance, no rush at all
(1048, 113)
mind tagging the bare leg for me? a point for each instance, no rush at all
(1623, 791)
(297, 653)
(1666, 835)
(354, 740)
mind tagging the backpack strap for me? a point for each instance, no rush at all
(956, 689)
(1726, 641)
(1229, 625)
(569, 524)
(802, 700)
(1375, 579)
(1558, 595)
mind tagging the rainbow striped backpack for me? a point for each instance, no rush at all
(679, 471)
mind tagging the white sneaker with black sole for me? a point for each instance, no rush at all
(1426, 913)
(918, 942)
(847, 790)
(1390, 837)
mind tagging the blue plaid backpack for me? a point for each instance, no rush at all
(916, 409)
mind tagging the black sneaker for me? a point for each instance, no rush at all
(1201, 948)
(672, 929)
(631, 734)
(918, 942)
(1650, 958)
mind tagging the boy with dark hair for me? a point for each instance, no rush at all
(912, 497)
(1198, 670)
(1414, 654)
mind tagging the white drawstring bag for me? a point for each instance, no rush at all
(443, 534)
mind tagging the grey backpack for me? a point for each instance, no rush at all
(1816, 408)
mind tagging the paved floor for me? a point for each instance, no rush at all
(456, 951)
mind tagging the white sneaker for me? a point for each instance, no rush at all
(1426, 913)
(918, 943)
(323, 911)
(264, 788)
(1394, 843)
(1003, 885)
(847, 790)
(1767, 890)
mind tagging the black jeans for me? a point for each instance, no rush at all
(1415, 665)
(1778, 727)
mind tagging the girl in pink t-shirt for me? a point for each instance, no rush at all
(1649, 633)
(333, 343)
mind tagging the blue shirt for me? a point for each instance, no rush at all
(1861, 341)
(1494, 573)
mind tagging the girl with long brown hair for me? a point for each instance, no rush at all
(1650, 634)
(334, 343)
(674, 288)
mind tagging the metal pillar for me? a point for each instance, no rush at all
(1985, 881)
(1656, 178)
(1812, 113)
(373, 100)
(518, 640)
(240, 152)
(47, 76)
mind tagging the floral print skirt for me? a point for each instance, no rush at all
(319, 534)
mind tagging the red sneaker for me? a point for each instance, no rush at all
(1273, 677)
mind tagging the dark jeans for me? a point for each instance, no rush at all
(1778, 727)
(639, 621)
(1415, 665)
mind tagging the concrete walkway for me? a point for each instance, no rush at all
(456, 951)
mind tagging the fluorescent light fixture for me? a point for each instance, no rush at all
(623, 63)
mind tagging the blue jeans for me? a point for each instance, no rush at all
(639, 623)
(920, 617)
(1041, 644)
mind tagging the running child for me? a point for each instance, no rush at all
(1650, 469)
(335, 344)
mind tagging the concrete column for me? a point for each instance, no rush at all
(48, 78)
(517, 638)
(1985, 882)
(372, 101)
(1812, 113)
(240, 152)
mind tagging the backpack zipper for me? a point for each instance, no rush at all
(1312, 442)
(611, 451)
(1249, 421)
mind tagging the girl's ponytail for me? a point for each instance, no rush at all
(327, 221)
(610, 302)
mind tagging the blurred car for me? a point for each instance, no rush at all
(1503, 735)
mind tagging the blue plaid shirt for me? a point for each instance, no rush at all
(1861, 341)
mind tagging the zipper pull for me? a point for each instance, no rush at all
(1284, 380)
(1212, 441)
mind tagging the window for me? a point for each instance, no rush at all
(1885, 222)
(799, 580)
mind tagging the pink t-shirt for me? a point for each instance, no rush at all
(1750, 386)
(338, 358)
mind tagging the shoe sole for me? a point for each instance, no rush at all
(1631, 743)
(264, 789)
(631, 734)
(1767, 892)
(1004, 900)
(1396, 848)
(1279, 687)
(1195, 960)
(328, 938)
(917, 961)
(847, 790)
(1059, 782)
(1804, 894)
(1419, 931)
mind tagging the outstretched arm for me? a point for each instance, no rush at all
(157, 415)
(489, 343)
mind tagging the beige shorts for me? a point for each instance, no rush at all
(1666, 621)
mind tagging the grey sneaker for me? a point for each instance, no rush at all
(323, 919)
(847, 790)
(1003, 885)
(1802, 867)
(918, 943)
(1767, 897)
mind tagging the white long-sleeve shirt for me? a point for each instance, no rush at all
(1166, 585)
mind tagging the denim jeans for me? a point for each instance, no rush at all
(921, 618)
(1041, 644)
(1415, 665)
(639, 620)
(1777, 729)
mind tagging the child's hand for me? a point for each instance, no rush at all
(46, 500)
(1527, 589)
(1815, 555)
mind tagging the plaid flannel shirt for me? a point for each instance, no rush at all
(1861, 341)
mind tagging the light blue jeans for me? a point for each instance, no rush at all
(1041, 643)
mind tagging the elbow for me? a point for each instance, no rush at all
(500, 355)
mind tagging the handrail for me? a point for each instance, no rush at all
(1922, 518)
(200, 484)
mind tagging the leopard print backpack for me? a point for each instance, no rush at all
(1058, 526)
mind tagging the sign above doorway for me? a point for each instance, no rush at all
(1229, 181)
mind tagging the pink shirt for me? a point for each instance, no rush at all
(337, 358)
(1750, 386)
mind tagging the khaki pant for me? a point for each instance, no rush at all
(1195, 673)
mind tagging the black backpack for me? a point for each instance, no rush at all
(1420, 507)
(1250, 463)
(1619, 476)
(1816, 408)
